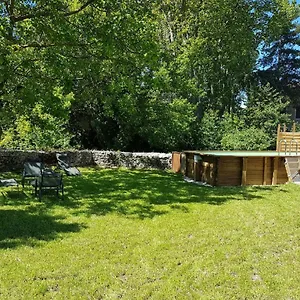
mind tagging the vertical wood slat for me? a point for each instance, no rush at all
(176, 162)
(196, 170)
(244, 172)
(216, 169)
(266, 166)
(275, 171)
(197, 163)
(183, 164)
(278, 137)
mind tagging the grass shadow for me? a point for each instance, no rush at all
(22, 227)
(136, 193)
(145, 193)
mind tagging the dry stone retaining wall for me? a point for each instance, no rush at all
(11, 160)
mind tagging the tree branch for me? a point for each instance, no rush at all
(89, 2)
(47, 13)
(40, 46)
(12, 6)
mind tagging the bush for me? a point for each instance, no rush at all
(247, 139)
(40, 125)
(211, 131)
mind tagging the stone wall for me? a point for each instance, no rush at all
(132, 160)
(13, 160)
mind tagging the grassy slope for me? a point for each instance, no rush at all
(150, 235)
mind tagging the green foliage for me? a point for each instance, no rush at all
(280, 61)
(43, 125)
(230, 132)
(265, 110)
(169, 123)
(27, 136)
(210, 131)
(149, 124)
(251, 138)
(138, 73)
(251, 128)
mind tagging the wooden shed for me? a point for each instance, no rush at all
(232, 168)
(221, 168)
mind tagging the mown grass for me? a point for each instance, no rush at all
(134, 234)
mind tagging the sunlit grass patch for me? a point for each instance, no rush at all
(141, 234)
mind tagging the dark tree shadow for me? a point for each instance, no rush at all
(143, 193)
(136, 193)
(21, 227)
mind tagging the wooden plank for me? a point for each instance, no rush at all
(216, 169)
(189, 165)
(229, 171)
(176, 164)
(183, 164)
(208, 174)
(287, 134)
(255, 170)
(268, 171)
(244, 171)
(282, 176)
(265, 171)
(292, 140)
(275, 171)
(278, 137)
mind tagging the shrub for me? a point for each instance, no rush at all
(247, 139)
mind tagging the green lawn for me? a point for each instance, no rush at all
(150, 235)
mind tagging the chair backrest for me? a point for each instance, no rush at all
(62, 159)
(33, 168)
(51, 179)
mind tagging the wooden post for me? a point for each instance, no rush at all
(244, 172)
(195, 170)
(183, 164)
(215, 171)
(275, 171)
(278, 137)
(294, 127)
(197, 161)
(266, 166)
(278, 129)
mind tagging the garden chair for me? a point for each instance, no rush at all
(9, 183)
(63, 163)
(49, 180)
(32, 170)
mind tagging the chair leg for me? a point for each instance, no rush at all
(35, 188)
(40, 194)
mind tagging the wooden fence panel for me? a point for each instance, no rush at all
(229, 171)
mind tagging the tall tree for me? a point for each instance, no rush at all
(35, 37)
(125, 70)
(94, 49)
(211, 46)
(280, 61)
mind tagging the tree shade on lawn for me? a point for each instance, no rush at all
(148, 234)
